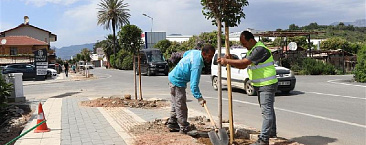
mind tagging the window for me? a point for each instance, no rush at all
(233, 56)
(13, 51)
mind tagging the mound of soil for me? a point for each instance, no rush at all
(156, 133)
(122, 102)
(12, 121)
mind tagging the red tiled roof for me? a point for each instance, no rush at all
(22, 40)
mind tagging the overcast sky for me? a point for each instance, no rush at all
(75, 21)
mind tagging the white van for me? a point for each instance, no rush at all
(239, 77)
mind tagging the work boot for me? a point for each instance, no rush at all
(184, 130)
(260, 142)
(273, 135)
(173, 125)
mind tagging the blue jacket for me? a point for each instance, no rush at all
(187, 70)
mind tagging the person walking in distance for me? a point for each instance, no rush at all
(66, 65)
(262, 74)
(188, 69)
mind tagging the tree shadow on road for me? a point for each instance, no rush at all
(314, 140)
(65, 94)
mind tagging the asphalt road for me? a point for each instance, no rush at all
(321, 110)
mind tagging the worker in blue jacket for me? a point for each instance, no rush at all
(188, 69)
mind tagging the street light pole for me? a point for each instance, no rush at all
(152, 23)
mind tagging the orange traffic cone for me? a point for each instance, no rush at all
(43, 127)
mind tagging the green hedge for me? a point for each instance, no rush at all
(309, 66)
(360, 70)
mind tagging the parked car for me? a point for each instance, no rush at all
(51, 73)
(240, 79)
(152, 62)
(28, 70)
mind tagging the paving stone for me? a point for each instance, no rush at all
(86, 125)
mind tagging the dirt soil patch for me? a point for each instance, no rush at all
(156, 133)
(12, 121)
(80, 77)
(116, 101)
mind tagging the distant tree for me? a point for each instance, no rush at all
(59, 61)
(312, 26)
(293, 27)
(113, 13)
(107, 46)
(334, 44)
(163, 45)
(85, 52)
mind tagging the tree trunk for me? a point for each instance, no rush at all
(229, 93)
(139, 74)
(114, 37)
(219, 89)
(134, 76)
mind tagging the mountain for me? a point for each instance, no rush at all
(357, 23)
(67, 52)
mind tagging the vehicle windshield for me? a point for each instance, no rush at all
(155, 56)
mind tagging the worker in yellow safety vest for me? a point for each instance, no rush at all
(262, 74)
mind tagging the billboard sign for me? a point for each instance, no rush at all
(41, 62)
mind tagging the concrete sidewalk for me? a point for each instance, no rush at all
(72, 124)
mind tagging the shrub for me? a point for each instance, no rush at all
(120, 57)
(5, 89)
(127, 63)
(360, 70)
(309, 66)
(112, 61)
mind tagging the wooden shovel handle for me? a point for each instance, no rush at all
(211, 119)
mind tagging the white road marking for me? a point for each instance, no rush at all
(300, 113)
(336, 95)
(333, 82)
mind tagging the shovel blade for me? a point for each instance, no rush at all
(220, 138)
(224, 138)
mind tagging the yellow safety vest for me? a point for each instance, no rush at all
(264, 73)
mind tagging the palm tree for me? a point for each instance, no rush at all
(113, 13)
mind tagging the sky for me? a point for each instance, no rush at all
(75, 21)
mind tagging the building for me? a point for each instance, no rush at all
(18, 44)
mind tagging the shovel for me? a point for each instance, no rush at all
(219, 138)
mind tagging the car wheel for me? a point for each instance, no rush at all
(215, 83)
(149, 73)
(249, 89)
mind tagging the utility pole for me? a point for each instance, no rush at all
(152, 23)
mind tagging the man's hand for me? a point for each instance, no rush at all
(201, 101)
(222, 61)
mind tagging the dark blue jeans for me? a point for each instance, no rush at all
(266, 101)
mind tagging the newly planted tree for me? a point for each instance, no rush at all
(230, 12)
(131, 41)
